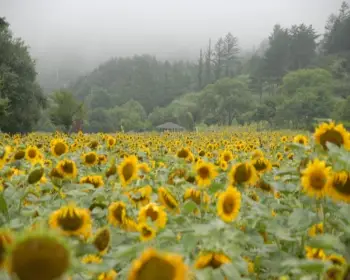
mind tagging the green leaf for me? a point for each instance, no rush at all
(3, 207)
(189, 206)
(230, 271)
(316, 266)
(327, 242)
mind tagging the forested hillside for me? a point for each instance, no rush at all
(295, 76)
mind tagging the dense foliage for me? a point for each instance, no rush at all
(21, 98)
(293, 78)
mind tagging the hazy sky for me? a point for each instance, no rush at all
(126, 27)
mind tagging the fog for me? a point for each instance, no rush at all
(99, 29)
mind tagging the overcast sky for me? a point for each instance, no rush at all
(126, 27)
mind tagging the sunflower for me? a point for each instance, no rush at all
(153, 212)
(336, 260)
(262, 165)
(211, 259)
(339, 187)
(141, 196)
(243, 173)
(116, 213)
(58, 147)
(157, 265)
(19, 154)
(111, 141)
(316, 229)
(90, 158)
(335, 134)
(315, 253)
(90, 259)
(227, 156)
(127, 170)
(228, 205)
(102, 240)
(196, 196)
(95, 180)
(300, 139)
(32, 154)
(35, 175)
(39, 256)
(129, 224)
(316, 178)
(67, 168)
(168, 200)
(183, 153)
(110, 275)
(205, 173)
(6, 240)
(251, 267)
(71, 221)
(147, 232)
(257, 154)
(335, 272)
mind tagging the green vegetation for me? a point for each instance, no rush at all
(296, 76)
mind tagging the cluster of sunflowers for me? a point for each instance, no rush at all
(228, 204)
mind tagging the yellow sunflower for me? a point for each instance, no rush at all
(243, 173)
(116, 213)
(227, 156)
(205, 173)
(67, 168)
(262, 165)
(127, 170)
(316, 178)
(153, 212)
(90, 158)
(141, 196)
(300, 139)
(110, 275)
(168, 200)
(339, 186)
(71, 221)
(229, 204)
(147, 232)
(335, 134)
(58, 147)
(111, 141)
(95, 180)
(32, 154)
(157, 265)
(336, 259)
(211, 259)
(314, 253)
(316, 229)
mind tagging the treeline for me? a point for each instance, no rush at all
(294, 77)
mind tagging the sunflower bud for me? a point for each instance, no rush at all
(35, 175)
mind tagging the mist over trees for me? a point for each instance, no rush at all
(295, 76)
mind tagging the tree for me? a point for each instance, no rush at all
(306, 78)
(336, 38)
(277, 56)
(200, 70)
(230, 53)
(208, 64)
(21, 97)
(302, 46)
(64, 109)
(218, 58)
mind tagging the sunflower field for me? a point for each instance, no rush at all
(228, 204)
